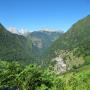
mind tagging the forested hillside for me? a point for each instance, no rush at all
(25, 49)
(14, 47)
(74, 45)
(14, 76)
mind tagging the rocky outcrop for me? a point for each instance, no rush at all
(60, 66)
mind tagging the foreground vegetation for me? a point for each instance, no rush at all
(32, 77)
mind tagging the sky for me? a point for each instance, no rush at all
(42, 14)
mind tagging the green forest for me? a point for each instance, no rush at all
(14, 76)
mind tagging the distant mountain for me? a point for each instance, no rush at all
(42, 39)
(74, 45)
(14, 47)
(22, 31)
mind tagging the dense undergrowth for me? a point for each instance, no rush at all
(14, 76)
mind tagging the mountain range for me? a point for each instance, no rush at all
(26, 46)
(72, 46)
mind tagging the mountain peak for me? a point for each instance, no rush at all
(88, 15)
(21, 31)
(47, 30)
(1, 26)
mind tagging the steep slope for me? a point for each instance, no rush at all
(41, 40)
(74, 45)
(14, 47)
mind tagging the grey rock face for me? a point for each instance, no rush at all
(60, 66)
